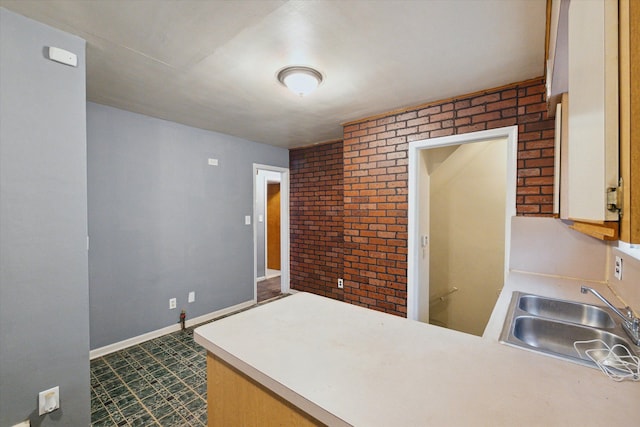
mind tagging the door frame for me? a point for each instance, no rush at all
(284, 227)
(413, 227)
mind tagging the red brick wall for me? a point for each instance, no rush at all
(316, 223)
(374, 263)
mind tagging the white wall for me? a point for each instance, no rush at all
(628, 288)
(467, 213)
(548, 246)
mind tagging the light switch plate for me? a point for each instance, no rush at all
(192, 296)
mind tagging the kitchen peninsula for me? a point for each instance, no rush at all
(319, 361)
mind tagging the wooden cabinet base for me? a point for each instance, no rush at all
(607, 230)
(234, 399)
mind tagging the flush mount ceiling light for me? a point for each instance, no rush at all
(300, 80)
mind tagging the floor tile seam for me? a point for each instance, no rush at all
(105, 417)
(134, 395)
(116, 407)
(143, 405)
(179, 379)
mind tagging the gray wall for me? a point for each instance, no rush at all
(44, 306)
(163, 223)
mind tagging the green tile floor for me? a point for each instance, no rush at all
(161, 382)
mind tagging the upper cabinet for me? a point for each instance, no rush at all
(593, 109)
(630, 119)
(557, 51)
(593, 72)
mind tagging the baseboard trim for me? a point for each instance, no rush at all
(121, 345)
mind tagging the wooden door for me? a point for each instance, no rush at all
(273, 226)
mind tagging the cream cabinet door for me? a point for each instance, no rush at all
(592, 146)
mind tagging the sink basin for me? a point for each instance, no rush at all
(551, 326)
(584, 314)
(558, 337)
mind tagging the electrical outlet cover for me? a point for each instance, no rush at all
(617, 272)
(48, 400)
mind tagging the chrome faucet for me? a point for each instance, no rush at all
(630, 324)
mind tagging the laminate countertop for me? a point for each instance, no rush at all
(348, 365)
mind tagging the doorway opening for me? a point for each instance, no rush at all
(461, 199)
(272, 222)
(271, 232)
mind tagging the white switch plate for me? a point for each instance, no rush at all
(340, 284)
(172, 303)
(247, 220)
(48, 400)
(617, 272)
(192, 296)
(260, 218)
(213, 162)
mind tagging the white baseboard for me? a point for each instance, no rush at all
(120, 345)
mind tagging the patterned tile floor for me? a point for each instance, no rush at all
(161, 382)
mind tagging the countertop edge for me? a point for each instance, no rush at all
(284, 392)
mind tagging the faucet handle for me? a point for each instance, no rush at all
(629, 312)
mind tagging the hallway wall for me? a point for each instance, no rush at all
(467, 246)
(261, 185)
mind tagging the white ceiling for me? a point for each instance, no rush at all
(212, 64)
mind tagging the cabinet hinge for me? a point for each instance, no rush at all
(614, 198)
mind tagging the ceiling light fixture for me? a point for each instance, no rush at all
(300, 80)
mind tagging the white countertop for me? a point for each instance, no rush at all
(348, 365)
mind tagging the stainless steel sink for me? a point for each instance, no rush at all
(584, 314)
(551, 326)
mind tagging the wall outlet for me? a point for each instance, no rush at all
(617, 272)
(48, 400)
(340, 284)
(192, 296)
(172, 303)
